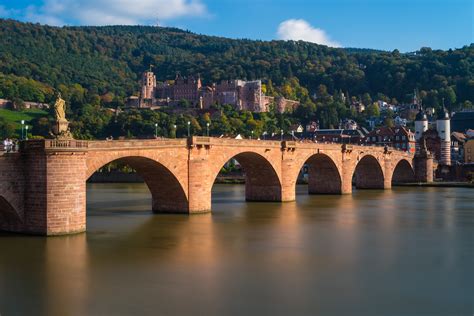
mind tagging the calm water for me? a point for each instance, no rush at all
(402, 252)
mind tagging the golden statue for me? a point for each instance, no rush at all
(60, 108)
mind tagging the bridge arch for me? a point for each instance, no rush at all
(324, 176)
(168, 194)
(262, 181)
(368, 173)
(10, 219)
(403, 172)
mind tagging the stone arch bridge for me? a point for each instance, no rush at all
(43, 187)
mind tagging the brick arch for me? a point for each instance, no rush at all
(324, 176)
(403, 172)
(10, 219)
(262, 177)
(168, 194)
(368, 173)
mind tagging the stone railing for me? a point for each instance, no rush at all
(135, 143)
(53, 144)
(65, 143)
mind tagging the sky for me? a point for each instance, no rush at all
(406, 25)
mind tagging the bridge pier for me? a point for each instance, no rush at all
(55, 202)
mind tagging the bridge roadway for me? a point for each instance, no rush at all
(43, 187)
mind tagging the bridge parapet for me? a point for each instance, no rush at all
(135, 144)
(54, 145)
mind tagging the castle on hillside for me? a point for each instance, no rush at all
(243, 95)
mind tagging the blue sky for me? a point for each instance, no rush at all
(381, 24)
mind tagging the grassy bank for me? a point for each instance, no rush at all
(15, 117)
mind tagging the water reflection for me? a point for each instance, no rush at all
(410, 251)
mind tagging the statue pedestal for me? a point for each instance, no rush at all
(60, 129)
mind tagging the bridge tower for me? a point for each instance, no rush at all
(443, 127)
(421, 126)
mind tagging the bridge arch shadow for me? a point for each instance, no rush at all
(262, 182)
(368, 174)
(168, 195)
(403, 173)
(10, 220)
(323, 175)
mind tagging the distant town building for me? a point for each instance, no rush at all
(398, 137)
(348, 124)
(469, 151)
(457, 146)
(359, 107)
(8, 104)
(344, 136)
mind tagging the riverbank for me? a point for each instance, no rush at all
(438, 184)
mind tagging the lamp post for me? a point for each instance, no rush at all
(251, 135)
(264, 135)
(174, 127)
(156, 130)
(189, 128)
(207, 127)
(281, 132)
(26, 133)
(22, 127)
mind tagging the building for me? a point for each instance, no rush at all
(148, 91)
(397, 137)
(469, 151)
(457, 146)
(359, 107)
(243, 95)
(344, 136)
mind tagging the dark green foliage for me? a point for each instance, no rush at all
(97, 67)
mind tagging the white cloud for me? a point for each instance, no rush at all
(299, 29)
(107, 12)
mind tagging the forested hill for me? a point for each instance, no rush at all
(109, 60)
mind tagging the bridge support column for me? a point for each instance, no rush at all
(423, 167)
(55, 198)
(289, 176)
(388, 173)
(346, 173)
(199, 186)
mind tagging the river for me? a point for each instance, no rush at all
(406, 251)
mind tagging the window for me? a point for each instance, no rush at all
(396, 137)
(404, 137)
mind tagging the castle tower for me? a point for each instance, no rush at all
(421, 126)
(148, 88)
(443, 126)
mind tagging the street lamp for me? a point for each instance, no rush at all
(264, 135)
(251, 136)
(189, 128)
(22, 127)
(207, 127)
(156, 130)
(281, 132)
(26, 133)
(174, 127)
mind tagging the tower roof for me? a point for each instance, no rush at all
(421, 116)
